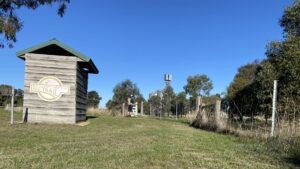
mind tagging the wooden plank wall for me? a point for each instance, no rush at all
(64, 68)
(81, 94)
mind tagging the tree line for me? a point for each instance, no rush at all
(165, 100)
(5, 96)
(250, 93)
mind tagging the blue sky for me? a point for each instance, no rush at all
(143, 39)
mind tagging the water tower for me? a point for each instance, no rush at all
(168, 79)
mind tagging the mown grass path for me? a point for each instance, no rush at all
(117, 142)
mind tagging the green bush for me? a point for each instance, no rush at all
(294, 151)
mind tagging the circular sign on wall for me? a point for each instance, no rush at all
(49, 88)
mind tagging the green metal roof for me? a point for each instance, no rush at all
(93, 68)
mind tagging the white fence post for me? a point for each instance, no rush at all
(274, 108)
(176, 109)
(12, 106)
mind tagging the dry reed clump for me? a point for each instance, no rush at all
(288, 129)
(203, 121)
(221, 124)
(287, 133)
(191, 117)
(16, 109)
(97, 112)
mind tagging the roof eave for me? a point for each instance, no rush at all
(93, 69)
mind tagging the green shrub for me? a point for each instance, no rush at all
(294, 151)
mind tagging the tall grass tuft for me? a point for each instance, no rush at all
(207, 122)
(91, 111)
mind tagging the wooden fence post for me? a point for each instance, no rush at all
(123, 109)
(142, 108)
(217, 113)
(150, 110)
(198, 104)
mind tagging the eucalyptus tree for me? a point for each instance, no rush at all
(121, 92)
(182, 102)
(10, 23)
(168, 96)
(282, 63)
(198, 85)
(93, 99)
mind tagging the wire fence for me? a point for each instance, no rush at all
(10, 113)
(5, 115)
(210, 118)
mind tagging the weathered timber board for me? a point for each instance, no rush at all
(64, 68)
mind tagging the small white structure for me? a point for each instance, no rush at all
(135, 109)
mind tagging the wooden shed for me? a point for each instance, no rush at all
(56, 82)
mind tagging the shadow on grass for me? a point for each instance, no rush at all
(91, 117)
(294, 160)
(294, 151)
(167, 119)
(210, 127)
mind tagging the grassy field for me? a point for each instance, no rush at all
(117, 142)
